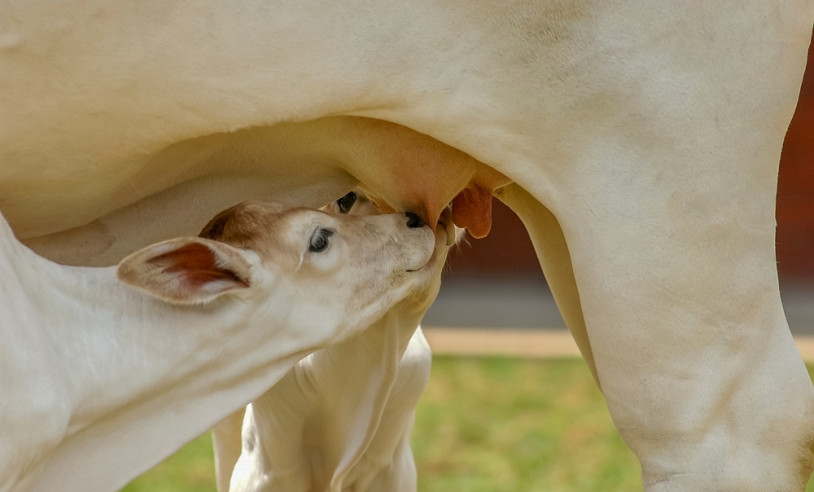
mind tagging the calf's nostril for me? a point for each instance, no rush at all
(414, 221)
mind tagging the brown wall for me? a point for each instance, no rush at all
(507, 251)
(795, 197)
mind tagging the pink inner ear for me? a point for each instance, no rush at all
(197, 264)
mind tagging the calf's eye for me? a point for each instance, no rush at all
(319, 240)
(346, 202)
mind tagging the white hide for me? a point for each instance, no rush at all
(340, 420)
(642, 139)
(101, 381)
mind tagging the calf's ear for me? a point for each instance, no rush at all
(187, 270)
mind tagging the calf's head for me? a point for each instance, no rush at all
(305, 264)
(357, 202)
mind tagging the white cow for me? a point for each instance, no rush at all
(101, 381)
(641, 140)
(340, 420)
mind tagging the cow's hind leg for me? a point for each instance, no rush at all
(663, 181)
(698, 366)
(552, 252)
(673, 257)
(691, 346)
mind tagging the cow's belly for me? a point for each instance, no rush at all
(175, 190)
(176, 211)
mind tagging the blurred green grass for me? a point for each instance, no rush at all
(484, 425)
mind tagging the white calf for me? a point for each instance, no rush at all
(341, 419)
(100, 380)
